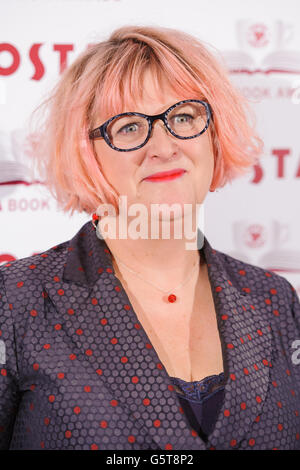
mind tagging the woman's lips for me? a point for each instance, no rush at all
(165, 175)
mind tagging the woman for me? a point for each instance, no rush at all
(138, 342)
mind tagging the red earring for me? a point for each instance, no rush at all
(95, 220)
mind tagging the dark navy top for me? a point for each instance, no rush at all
(201, 401)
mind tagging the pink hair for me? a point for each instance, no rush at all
(109, 76)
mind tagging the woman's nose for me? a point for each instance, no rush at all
(159, 126)
(161, 142)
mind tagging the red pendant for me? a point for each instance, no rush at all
(172, 298)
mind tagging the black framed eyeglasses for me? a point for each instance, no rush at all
(130, 131)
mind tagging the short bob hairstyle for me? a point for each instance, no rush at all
(108, 76)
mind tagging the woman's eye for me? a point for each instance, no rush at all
(129, 128)
(183, 118)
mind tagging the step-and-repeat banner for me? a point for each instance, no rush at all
(255, 218)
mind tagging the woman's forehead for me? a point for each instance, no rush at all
(151, 94)
(148, 100)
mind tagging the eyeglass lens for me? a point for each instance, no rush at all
(185, 120)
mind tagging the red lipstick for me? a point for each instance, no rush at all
(165, 175)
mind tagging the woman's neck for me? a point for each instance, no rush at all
(164, 262)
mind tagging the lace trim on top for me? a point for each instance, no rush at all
(198, 390)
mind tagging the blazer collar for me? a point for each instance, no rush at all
(244, 333)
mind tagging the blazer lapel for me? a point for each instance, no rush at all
(246, 340)
(124, 358)
(127, 362)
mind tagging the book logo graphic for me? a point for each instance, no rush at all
(263, 48)
(15, 166)
(257, 35)
(267, 243)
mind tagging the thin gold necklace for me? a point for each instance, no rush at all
(170, 296)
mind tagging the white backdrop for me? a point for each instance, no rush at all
(255, 218)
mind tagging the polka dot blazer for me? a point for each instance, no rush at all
(79, 372)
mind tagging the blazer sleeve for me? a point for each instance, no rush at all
(9, 396)
(295, 305)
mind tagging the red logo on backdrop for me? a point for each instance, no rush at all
(282, 157)
(263, 48)
(62, 50)
(5, 258)
(257, 35)
(255, 236)
(269, 243)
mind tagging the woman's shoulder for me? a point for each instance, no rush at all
(254, 279)
(34, 269)
(22, 284)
